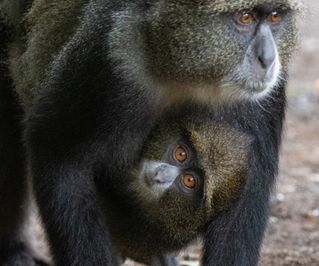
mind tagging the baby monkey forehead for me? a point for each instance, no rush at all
(219, 141)
(220, 148)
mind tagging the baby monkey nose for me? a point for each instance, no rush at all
(159, 174)
(165, 174)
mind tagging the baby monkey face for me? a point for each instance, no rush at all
(173, 173)
(193, 166)
(189, 172)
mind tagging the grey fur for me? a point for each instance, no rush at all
(163, 218)
(182, 49)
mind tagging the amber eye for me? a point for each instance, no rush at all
(275, 17)
(245, 18)
(189, 181)
(180, 154)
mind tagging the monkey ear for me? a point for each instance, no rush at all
(197, 140)
(201, 144)
(209, 191)
(223, 153)
(297, 5)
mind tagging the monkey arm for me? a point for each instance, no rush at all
(13, 184)
(68, 200)
(234, 238)
(86, 129)
(72, 216)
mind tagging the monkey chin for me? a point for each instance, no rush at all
(255, 91)
(270, 83)
(208, 94)
(249, 91)
(252, 88)
(227, 91)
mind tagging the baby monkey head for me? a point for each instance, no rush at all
(190, 172)
(172, 173)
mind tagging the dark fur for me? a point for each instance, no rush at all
(14, 250)
(81, 137)
(239, 232)
(144, 224)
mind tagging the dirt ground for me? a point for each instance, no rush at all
(292, 237)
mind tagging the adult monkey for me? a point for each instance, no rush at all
(94, 76)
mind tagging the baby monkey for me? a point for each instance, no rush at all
(190, 171)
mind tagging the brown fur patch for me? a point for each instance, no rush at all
(223, 152)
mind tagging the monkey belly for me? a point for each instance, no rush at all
(143, 245)
(141, 235)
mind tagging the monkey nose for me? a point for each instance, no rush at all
(159, 174)
(265, 48)
(165, 174)
(266, 58)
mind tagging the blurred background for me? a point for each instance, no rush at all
(293, 233)
(292, 237)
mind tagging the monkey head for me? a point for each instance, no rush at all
(190, 172)
(208, 49)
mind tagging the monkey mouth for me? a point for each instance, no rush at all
(253, 82)
(250, 86)
(261, 84)
(268, 80)
(153, 185)
(156, 185)
(147, 181)
(256, 86)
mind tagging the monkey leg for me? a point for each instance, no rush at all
(13, 183)
(235, 237)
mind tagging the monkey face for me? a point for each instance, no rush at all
(178, 174)
(193, 166)
(159, 177)
(239, 47)
(189, 173)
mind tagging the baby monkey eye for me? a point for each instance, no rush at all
(275, 16)
(244, 18)
(189, 181)
(180, 154)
